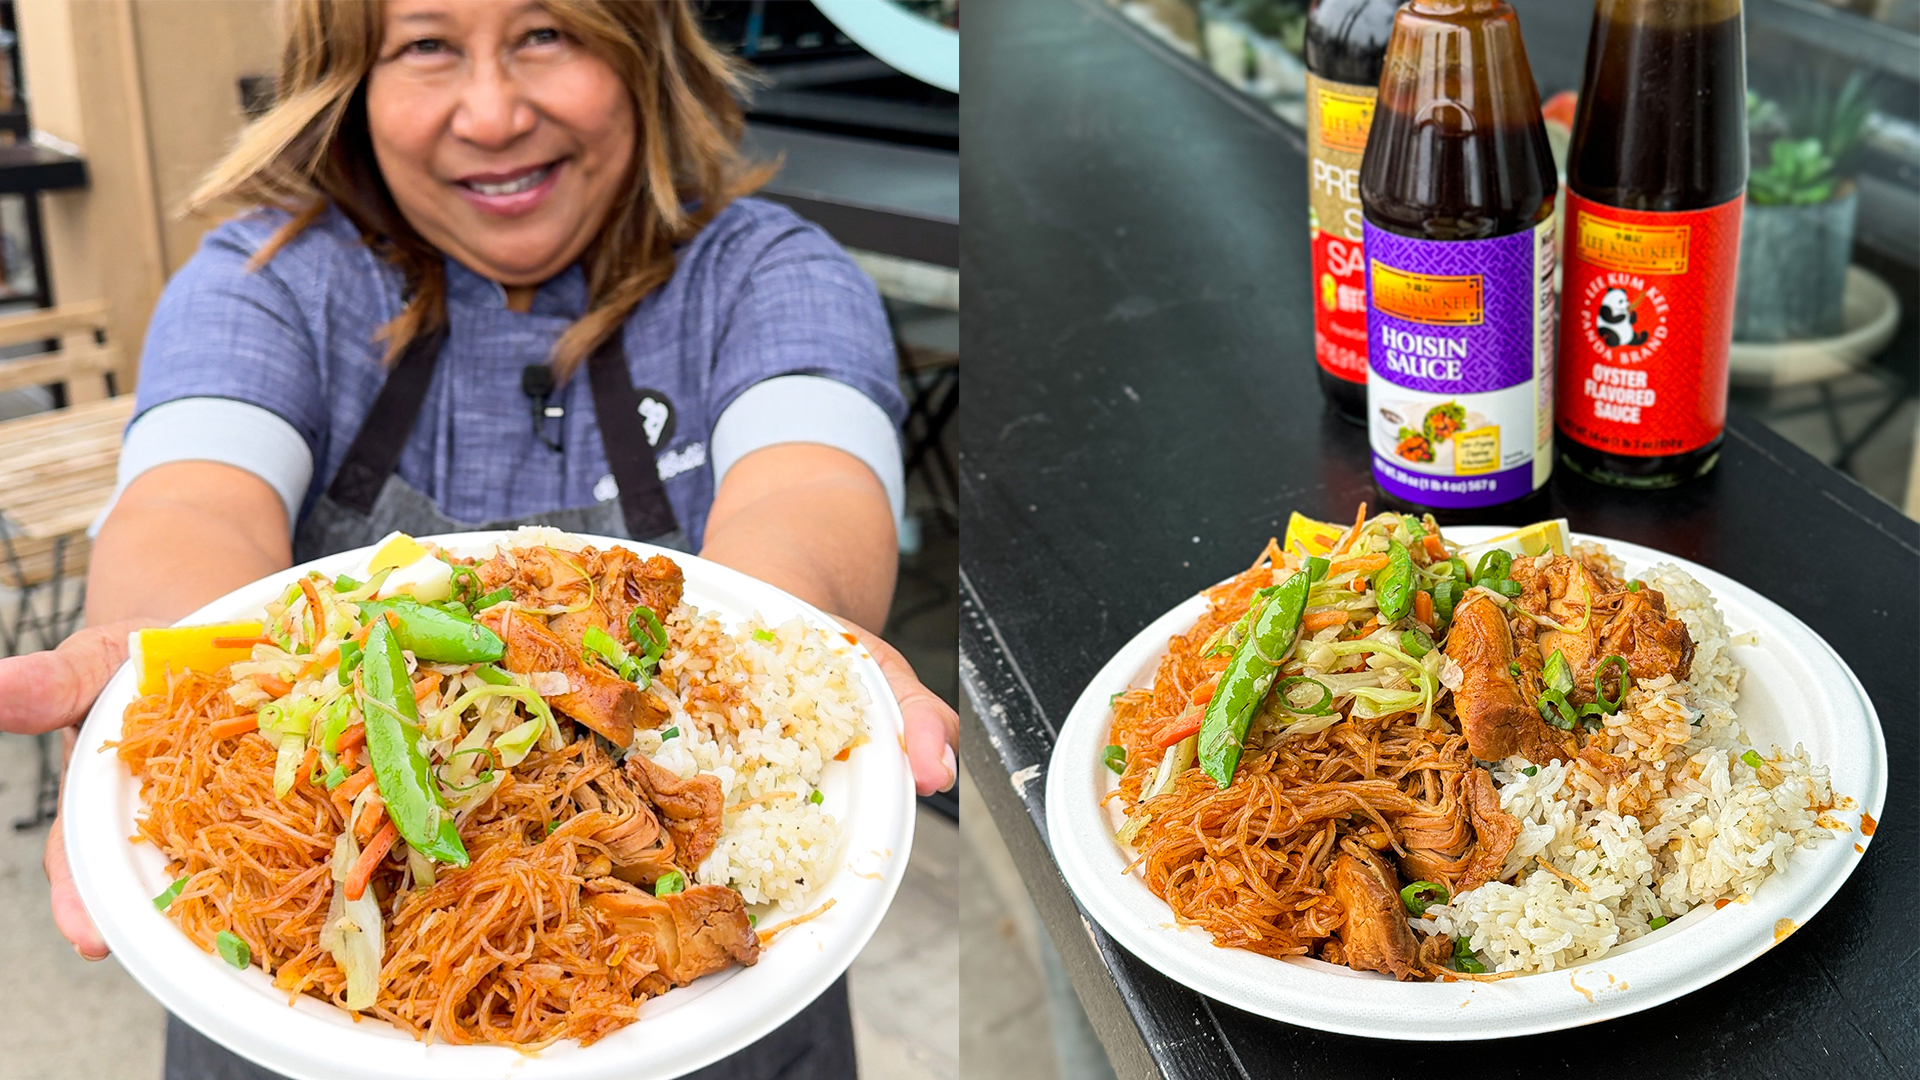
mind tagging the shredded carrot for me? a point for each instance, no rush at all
(1315, 621)
(273, 685)
(843, 754)
(1423, 606)
(239, 642)
(343, 795)
(239, 725)
(349, 757)
(369, 860)
(353, 737)
(1187, 724)
(1204, 692)
(369, 822)
(770, 932)
(324, 662)
(1369, 626)
(1359, 564)
(1435, 549)
(313, 607)
(1359, 519)
(427, 683)
(306, 765)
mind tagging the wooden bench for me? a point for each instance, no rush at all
(57, 469)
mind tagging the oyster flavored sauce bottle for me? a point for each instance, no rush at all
(1457, 189)
(1345, 43)
(1656, 177)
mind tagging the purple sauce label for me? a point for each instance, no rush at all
(1460, 346)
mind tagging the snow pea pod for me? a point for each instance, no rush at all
(436, 635)
(393, 745)
(1396, 582)
(1248, 677)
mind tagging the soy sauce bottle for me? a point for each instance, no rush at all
(1656, 176)
(1346, 41)
(1457, 189)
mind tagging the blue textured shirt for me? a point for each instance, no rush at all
(758, 295)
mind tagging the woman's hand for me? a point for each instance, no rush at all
(48, 691)
(933, 728)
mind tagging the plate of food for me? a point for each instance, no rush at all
(1412, 783)
(519, 804)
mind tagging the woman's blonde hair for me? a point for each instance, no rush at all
(312, 147)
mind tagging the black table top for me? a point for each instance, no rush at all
(1141, 416)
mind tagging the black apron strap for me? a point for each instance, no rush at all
(375, 452)
(623, 436)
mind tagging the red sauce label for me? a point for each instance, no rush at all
(1338, 116)
(1647, 314)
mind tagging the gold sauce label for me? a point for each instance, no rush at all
(1338, 118)
(1434, 299)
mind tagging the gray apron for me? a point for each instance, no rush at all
(367, 499)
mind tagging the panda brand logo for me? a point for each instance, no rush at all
(1623, 317)
(1616, 322)
(657, 417)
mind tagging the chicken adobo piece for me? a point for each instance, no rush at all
(1530, 664)
(581, 591)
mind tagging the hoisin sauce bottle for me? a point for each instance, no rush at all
(1457, 190)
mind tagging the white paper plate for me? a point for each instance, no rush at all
(1796, 690)
(871, 795)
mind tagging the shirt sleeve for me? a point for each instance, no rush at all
(222, 330)
(803, 307)
(811, 409)
(221, 430)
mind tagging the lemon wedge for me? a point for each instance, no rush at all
(158, 650)
(1539, 538)
(1314, 537)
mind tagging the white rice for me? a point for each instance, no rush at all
(1689, 823)
(765, 717)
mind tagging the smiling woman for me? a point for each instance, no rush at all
(453, 208)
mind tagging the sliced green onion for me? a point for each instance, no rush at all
(1115, 757)
(1463, 959)
(165, 899)
(1494, 567)
(1422, 895)
(1114, 699)
(1615, 660)
(816, 798)
(552, 825)
(1752, 758)
(1508, 588)
(670, 733)
(671, 882)
(1556, 674)
(1531, 770)
(653, 640)
(764, 635)
(335, 777)
(1656, 922)
(1555, 709)
(1633, 586)
(495, 597)
(598, 642)
(1415, 642)
(343, 583)
(752, 919)
(233, 949)
(1446, 594)
(349, 659)
(1318, 708)
(1316, 567)
(493, 676)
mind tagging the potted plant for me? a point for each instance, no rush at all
(1796, 232)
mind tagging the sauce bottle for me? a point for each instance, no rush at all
(1345, 43)
(1457, 188)
(1656, 175)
